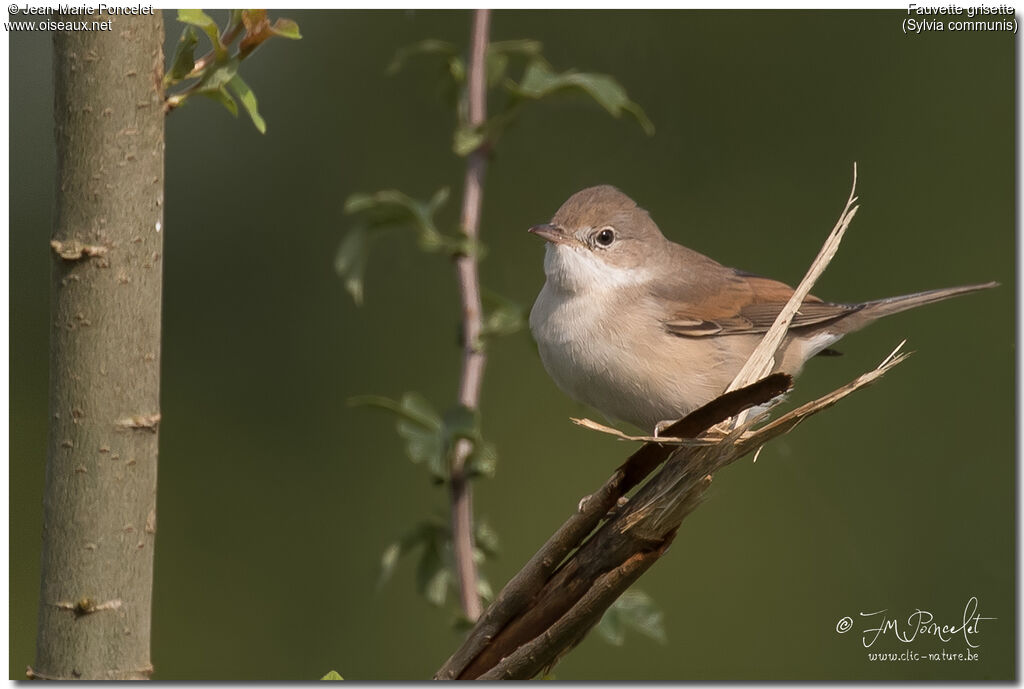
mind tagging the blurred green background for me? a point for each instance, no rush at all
(276, 499)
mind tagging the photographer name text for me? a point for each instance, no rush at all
(81, 10)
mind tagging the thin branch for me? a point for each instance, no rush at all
(762, 359)
(473, 358)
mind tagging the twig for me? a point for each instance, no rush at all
(660, 439)
(762, 359)
(473, 358)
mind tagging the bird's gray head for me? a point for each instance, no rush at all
(600, 239)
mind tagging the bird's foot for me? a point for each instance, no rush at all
(660, 427)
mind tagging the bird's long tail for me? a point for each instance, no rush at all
(874, 310)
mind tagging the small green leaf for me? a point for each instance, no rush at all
(248, 100)
(486, 538)
(350, 261)
(633, 610)
(286, 28)
(184, 56)
(483, 589)
(521, 46)
(196, 18)
(332, 675)
(258, 30)
(209, 27)
(499, 52)
(416, 408)
(461, 422)
(424, 446)
(218, 76)
(482, 461)
(391, 208)
(457, 68)
(439, 198)
(223, 97)
(428, 47)
(412, 407)
(407, 543)
(540, 81)
(388, 561)
(467, 139)
(433, 577)
(497, 63)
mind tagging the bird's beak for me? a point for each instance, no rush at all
(551, 233)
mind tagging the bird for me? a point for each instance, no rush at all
(646, 330)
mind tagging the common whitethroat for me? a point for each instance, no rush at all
(645, 330)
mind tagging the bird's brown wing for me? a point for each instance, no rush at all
(740, 304)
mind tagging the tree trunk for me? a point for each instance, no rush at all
(99, 506)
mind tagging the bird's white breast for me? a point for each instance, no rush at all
(605, 345)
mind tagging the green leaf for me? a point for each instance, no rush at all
(388, 561)
(223, 97)
(391, 208)
(248, 99)
(439, 198)
(497, 63)
(332, 675)
(218, 76)
(403, 546)
(483, 589)
(457, 70)
(350, 261)
(258, 30)
(520, 46)
(486, 538)
(209, 27)
(424, 446)
(428, 47)
(286, 28)
(433, 575)
(482, 461)
(540, 81)
(412, 407)
(184, 56)
(499, 52)
(460, 422)
(467, 139)
(633, 610)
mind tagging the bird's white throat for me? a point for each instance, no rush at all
(574, 268)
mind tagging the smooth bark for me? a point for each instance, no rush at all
(99, 520)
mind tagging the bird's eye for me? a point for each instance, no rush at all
(605, 237)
